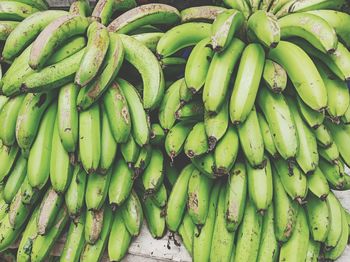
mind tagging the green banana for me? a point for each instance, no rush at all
(335, 221)
(295, 249)
(251, 140)
(93, 225)
(150, 39)
(276, 5)
(8, 233)
(224, 27)
(194, 110)
(269, 248)
(222, 239)
(206, 164)
(226, 151)
(182, 36)
(197, 141)
(186, 232)
(15, 179)
(241, 5)
(75, 240)
(39, 4)
(221, 67)
(25, 33)
(130, 151)
(152, 177)
(80, 7)
(15, 11)
(110, 68)
(3, 100)
(28, 193)
(119, 238)
(90, 138)
(132, 214)
(49, 210)
(139, 118)
(3, 208)
(269, 144)
(146, 63)
(318, 217)
(346, 117)
(280, 121)
(313, 118)
(333, 173)
(330, 154)
(285, 209)
(75, 195)
(318, 184)
(157, 135)
(160, 197)
(108, 144)
(29, 116)
(185, 93)
(178, 199)
(94, 54)
(8, 119)
(154, 218)
(341, 133)
(200, 13)
(323, 136)
(263, 28)
(236, 196)
(7, 158)
(274, 76)
(246, 84)
(53, 35)
(103, 11)
(97, 190)
(38, 169)
(121, 183)
(143, 160)
(308, 82)
(313, 251)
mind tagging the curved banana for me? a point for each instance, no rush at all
(150, 39)
(335, 221)
(200, 13)
(269, 144)
(93, 225)
(186, 232)
(313, 251)
(197, 141)
(274, 76)
(130, 151)
(103, 11)
(28, 193)
(143, 159)
(341, 133)
(241, 5)
(221, 67)
(15, 11)
(39, 4)
(7, 158)
(152, 177)
(246, 84)
(80, 7)
(206, 164)
(160, 197)
(330, 154)
(132, 214)
(318, 184)
(193, 110)
(334, 173)
(323, 136)
(313, 118)
(9, 233)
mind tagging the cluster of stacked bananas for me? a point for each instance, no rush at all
(228, 124)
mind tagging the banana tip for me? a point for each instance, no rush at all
(274, 45)
(212, 142)
(190, 154)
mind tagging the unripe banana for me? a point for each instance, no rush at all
(6, 28)
(147, 64)
(313, 251)
(226, 151)
(80, 7)
(313, 118)
(16, 11)
(241, 5)
(224, 27)
(49, 210)
(38, 170)
(139, 118)
(200, 13)
(236, 195)
(90, 138)
(295, 249)
(160, 197)
(3, 100)
(318, 217)
(143, 160)
(186, 232)
(330, 154)
(157, 135)
(276, 5)
(3, 208)
(121, 183)
(171, 174)
(178, 199)
(152, 177)
(335, 221)
(28, 193)
(8, 118)
(206, 164)
(74, 241)
(221, 67)
(263, 28)
(97, 189)
(7, 158)
(132, 214)
(8, 233)
(251, 140)
(75, 195)
(323, 136)
(274, 76)
(149, 39)
(285, 209)
(280, 121)
(222, 239)
(308, 82)
(194, 110)
(15, 179)
(103, 11)
(119, 238)
(346, 117)
(109, 70)
(333, 173)
(93, 225)
(269, 144)
(318, 184)
(39, 4)
(248, 236)
(197, 141)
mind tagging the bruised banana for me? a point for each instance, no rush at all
(152, 177)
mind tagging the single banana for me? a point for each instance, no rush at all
(221, 67)
(38, 169)
(313, 118)
(335, 221)
(185, 93)
(206, 164)
(317, 213)
(130, 151)
(346, 117)
(224, 27)
(263, 28)
(200, 13)
(182, 36)
(246, 84)
(251, 140)
(143, 160)
(160, 197)
(330, 154)
(15, 11)
(28, 193)
(97, 190)
(90, 138)
(3, 208)
(295, 249)
(226, 152)
(150, 39)
(323, 136)
(8, 233)
(93, 224)
(39, 4)
(80, 7)
(333, 173)
(103, 11)
(248, 236)
(121, 183)
(74, 241)
(94, 54)
(53, 35)
(308, 82)
(269, 144)
(341, 133)
(152, 177)
(236, 196)
(197, 141)
(194, 110)
(3, 100)
(274, 76)
(276, 5)
(147, 64)
(25, 33)
(178, 199)
(171, 174)
(8, 119)
(241, 5)
(132, 214)
(157, 135)
(75, 195)
(186, 232)
(280, 121)
(7, 158)
(313, 251)
(318, 184)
